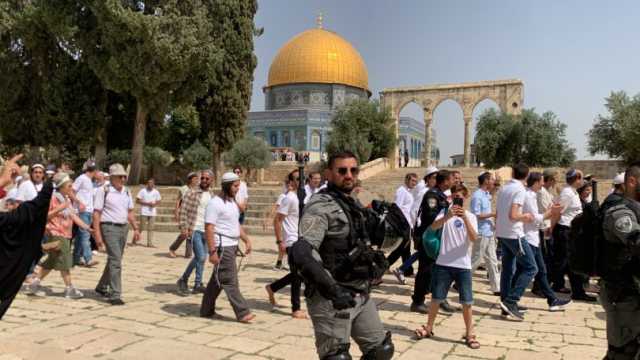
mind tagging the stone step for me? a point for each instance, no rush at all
(251, 229)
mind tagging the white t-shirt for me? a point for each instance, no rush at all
(545, 200)
(419, 187)
(454, 248)
(148, 196)
(404, 200)
(225, 216)
(417, 200)
(532, 229)
(512, 193)
(202, 207)
(290, 207)
(117, 206)
(28, 191)
(571, 205)
(13, 193)
(83, 186)
(308, 192)
(243, 193)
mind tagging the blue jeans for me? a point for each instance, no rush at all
(516, 253)
(200, 251)
(441, 279)
(407, 264)
(82, 242)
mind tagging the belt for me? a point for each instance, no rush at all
(112, 223)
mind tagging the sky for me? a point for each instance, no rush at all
(569, 54)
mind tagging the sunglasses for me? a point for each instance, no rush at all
(205, 179)
(343, 171)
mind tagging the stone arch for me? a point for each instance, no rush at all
(507, 94)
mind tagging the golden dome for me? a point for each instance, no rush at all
(318, 56)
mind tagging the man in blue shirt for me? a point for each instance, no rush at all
(485, 248)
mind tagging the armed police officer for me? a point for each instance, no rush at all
(337, 262)
(620, 285)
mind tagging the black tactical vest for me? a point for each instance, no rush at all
(351, 258)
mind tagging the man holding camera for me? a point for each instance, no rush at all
(336, 260)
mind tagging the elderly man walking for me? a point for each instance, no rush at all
(112, 210)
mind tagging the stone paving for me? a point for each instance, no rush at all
(158, 324)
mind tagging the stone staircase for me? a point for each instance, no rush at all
(384, 185)
(261, 199)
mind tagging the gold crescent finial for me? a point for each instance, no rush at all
(319, 20)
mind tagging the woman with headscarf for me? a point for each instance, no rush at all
(59, 228)
(21, 231)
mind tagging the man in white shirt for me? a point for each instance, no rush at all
(571, 207)
(516, 251)
(192, 212)
(223, 230)
(404, 200)
(29, 189)
(242, 197)
(545, 199)
(459, 229)
(533, 236)
(149, 198)
(287, 219)
(112, 210)
(84, 193)
(313, 186)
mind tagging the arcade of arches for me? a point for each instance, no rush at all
(508, 94)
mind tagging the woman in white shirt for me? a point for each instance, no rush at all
(459, 229)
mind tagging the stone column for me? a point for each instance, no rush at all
(468, 121)
(428, 118)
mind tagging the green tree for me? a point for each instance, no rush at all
(163, 56)
(46, 86)
(223, 110)
(183, 128)
(537, 140)
(617, 134)
(250, 153)
(196, 157)
(363, 127)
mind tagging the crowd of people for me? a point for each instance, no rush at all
(519, 232)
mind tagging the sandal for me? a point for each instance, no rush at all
(471, 342)
(247, 319)
(423, 333)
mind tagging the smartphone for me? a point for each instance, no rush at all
(458, 201)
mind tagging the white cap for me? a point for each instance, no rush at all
(117, 170)
(229, 177)
(431, 170)
(619, 179)
(60, 179)
(34, 166)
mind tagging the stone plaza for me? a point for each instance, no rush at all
(156, 323)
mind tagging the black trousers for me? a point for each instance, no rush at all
(4, 305)
(422, 285)
(290, 279)
(560, 262)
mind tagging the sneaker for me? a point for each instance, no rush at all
(102, 292)
(183, 287)
(446, 307)
(419, 308)
(522, 309)
(198, 289)
(558, 305)
(71, 292)
(34, 288)
(563, 290)
(512, 311)
(92, 263)
(399, 275)
(585, 298)
(95, 252)
(116, 302)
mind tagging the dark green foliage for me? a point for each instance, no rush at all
(119, 156)
(617, 135)
(182, 129)
(363, 127)
(250, 153)
(196, 157)
(537, 140)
